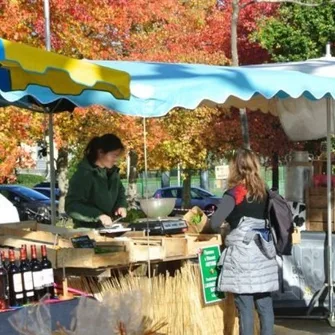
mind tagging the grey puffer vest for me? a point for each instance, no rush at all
(249, 260)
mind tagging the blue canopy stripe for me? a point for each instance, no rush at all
(156, 88)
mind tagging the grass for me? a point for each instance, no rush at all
(29, 180)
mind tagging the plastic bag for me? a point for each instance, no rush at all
(32, 320)
(116, 314)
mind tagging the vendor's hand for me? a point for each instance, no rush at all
(105, 220)
(121, 212)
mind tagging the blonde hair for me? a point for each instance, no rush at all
(245, 169)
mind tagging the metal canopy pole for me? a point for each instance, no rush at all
(330, 128)
(50, 128)
(329, 214)
(146, 194)
(328, 285)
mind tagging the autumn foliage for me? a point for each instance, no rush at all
(21, 127)
(265, 131)
(166, 30)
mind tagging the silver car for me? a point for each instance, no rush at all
(199, 197)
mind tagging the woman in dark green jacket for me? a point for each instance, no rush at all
(95, 192)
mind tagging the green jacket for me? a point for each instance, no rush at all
(93, 191)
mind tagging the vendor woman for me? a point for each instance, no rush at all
(96, 193)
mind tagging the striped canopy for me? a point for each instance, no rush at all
(156, 88)
(22, 65)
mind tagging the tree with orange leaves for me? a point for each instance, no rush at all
(167, 30)
(20, 128)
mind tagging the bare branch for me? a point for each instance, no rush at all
(293, 1)
(248, 3)
(300, 3)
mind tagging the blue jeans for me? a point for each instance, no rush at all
(245, 306)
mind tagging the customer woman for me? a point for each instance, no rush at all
(249, 267)
(96, 193)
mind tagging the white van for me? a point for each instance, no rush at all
(8, 212)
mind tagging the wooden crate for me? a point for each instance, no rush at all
(175, 247)
(171, 247)
(164, 248)
(198, 241)
(35, 236)
(155, 248)
(316, 209)
(60, 250)
(138, 250)
(38, 227)
(87, 258)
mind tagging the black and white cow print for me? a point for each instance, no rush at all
(299, 214)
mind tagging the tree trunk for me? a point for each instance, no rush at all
(187, 190)
(204, 179)
(233, 38)
(132, 180)
(275, 172)
(165, 179)
(245, 128)
(63, 182)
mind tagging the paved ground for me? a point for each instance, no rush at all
(303, 327)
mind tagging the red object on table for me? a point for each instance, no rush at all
(320, 180)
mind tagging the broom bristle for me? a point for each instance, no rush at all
(177, 300)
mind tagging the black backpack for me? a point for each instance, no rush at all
(281, 223)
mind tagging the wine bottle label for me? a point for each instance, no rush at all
(48, 277)
(28, 281)
(17, 280)
(38, 280)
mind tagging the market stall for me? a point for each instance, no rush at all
(157, 88)
(90, 262)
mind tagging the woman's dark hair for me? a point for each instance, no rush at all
(105, 143)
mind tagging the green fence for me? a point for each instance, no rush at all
(154, 183)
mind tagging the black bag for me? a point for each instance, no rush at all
(281, 223)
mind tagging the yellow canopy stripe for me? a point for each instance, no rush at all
(63, 75)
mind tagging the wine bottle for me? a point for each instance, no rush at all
(36, 269)
(24, 246)
(48, 273)
(5, 261)
(27, 278)
(15, 282)
(3, 286)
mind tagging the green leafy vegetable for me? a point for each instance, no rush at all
(196, 219)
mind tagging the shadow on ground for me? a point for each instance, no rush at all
(303, 327)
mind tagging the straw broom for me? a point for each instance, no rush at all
(178, 300)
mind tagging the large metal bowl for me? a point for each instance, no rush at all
(157, 208)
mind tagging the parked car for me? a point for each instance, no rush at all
(199, 197)
(9, 213)
(44, 188)
(45, 184)
(47, 191)
(27, 201)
